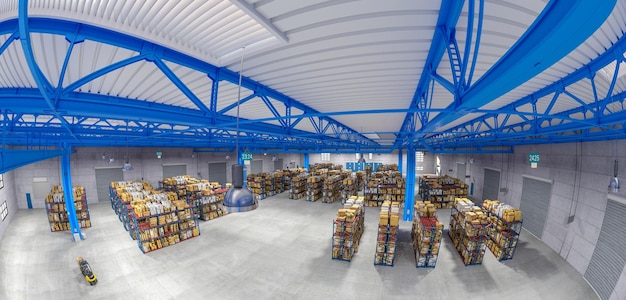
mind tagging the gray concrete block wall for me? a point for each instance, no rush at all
(7, 193)
(146, 166)
(580, 174)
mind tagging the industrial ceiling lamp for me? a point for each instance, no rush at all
(361, 159)
(614, 183)
(127, 166)
(239, 198)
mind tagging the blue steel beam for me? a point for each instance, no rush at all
(62, 27)
(449, 13)
(560, 28)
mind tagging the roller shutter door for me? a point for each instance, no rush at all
(174, 170)
(460, 171)
(217, 172)
(256, 167)
(491, 184)
(104, 177)
(278, 164)
(535, 203)
(608, 259)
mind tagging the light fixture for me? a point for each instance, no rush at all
(361, 159)
(104, 156)
(111, 160)
(227, 157)
(274, 158)
(159, 154)
(614, 183)
(127, 166)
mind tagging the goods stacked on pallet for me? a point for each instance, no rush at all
(385, 186)
(269, 184)
(348, 188)
(122, 193)
(314, 186)
(256, 184)
(161, 220)
(347, 229)
(469, 228)
(297, 188)
(426, 234)
(56, 207)
(506, 226)
(360, 181)
(441, 190)
(277, 178)
(331, 189)
(387, 234)
(210, 204)
(178, 185)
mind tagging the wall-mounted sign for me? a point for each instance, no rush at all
(533, 159)
(246, 156)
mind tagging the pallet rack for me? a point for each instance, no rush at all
(348, 188)
(468, 231)
(506, 227)
(256, 184)
(297, 187)
(426, 235)
(279, 186)
(331, 190)
(314, 188)
(56, 208)
(347, 231)
(385, 186)
(387, 235)
(174, 224)
(441, 190)
(211, 204)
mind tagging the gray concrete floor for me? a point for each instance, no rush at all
(280, 251)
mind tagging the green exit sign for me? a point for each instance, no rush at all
(533, 157)
(246, 156)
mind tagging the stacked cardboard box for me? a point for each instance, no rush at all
(426, 235)
(161, 219)
(506, 226)
(348, 229)
(331, 190)
(56, 207)
(297, 188)
(279, 187)
(314, 186)
(211, 204)
(387, 234)
(469, 228)
(256, 184)
(385, 186)
(348, 188)
(442, 190)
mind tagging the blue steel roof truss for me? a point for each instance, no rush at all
(66, 102)
(53, 115)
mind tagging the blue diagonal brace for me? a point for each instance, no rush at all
(183, 88)
(274, 111)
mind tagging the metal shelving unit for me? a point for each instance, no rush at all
(347, 235)
(469, 239)
(156, 231)
(57, 213)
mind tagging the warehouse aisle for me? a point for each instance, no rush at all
(281, 250)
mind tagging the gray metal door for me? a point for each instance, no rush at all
(460, 171)
(491, 184)
(174, 170)
(278, 164)
(40, 190)
(217, 172)
(256, 167)
(104, 177)
(608, 259)
(535, 203)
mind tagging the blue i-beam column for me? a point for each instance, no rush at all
(409, 199)
(400, 160)
(306, 161)
(68, 193)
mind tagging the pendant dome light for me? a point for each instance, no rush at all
(239, 198)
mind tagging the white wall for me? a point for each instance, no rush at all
(7, 193)
(580, 172)
(146, 166)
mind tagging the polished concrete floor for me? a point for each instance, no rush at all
(280, 251)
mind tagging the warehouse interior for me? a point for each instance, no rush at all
(516, 101)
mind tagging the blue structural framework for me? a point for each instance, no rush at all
(53, 116)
